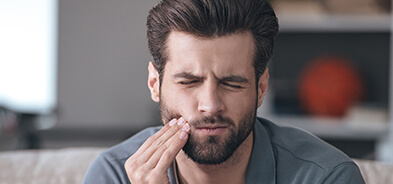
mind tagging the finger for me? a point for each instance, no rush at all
(150, 141)
(143, 154)
(156, 141)
(156, 136)
(170, 144)
(174, 128)
(136, 169)
(171, 132)
(169, 154)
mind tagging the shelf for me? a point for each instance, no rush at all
(334, 23)
(331, 128)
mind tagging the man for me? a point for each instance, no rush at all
(209, 76)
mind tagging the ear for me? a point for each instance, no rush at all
(153, 82)
(262, 86)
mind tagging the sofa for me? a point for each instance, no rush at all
(57, 166)
(67, 166)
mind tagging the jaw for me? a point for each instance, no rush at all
(234, 168)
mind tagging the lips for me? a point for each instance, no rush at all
(211, 130)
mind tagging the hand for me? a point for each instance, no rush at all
(152, 160)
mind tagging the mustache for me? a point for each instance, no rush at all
(208, 120)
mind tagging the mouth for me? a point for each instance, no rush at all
(210, 130)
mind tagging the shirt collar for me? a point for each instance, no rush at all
(262, 166)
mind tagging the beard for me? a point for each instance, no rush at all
(214, 150)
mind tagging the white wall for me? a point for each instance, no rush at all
(102, 69)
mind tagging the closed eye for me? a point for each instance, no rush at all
(232, 85)
(188, 82)
(186, 78)
(235, 82)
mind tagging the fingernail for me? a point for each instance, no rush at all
(185, 127)
(172, 122)
(181, 121)
(182, 135)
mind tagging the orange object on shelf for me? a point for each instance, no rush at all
(329, 86)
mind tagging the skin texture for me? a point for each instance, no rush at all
(210, 82)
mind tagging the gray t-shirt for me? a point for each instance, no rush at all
(279, 155)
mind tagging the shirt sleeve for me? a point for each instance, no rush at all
(103, 171)
(345, 173)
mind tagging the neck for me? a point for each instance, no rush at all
(231, 171)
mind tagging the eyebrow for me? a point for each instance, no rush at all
(186, 75)
(235, 78)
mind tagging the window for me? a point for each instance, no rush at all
(28, 55)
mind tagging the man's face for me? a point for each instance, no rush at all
(210, 82)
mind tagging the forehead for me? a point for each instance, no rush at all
(232, 53)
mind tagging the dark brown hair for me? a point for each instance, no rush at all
(209, 18)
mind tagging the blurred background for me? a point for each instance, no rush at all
(74, 73)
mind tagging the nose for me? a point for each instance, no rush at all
(210, 101)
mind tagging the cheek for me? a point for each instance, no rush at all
(241, 104)
(179, 101)
(242, 100)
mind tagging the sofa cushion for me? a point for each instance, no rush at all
(61, 166)
(375, 172)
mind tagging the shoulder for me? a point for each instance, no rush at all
(108, 167)
(299, 153)
(128, 147)
(303, 145)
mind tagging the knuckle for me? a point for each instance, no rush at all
(155, 174)
(128, 167)
(158, 177)
(130, 164)
(131, 170)
(151, 140)
(155, 141)
(139, 175)
(159, 143)
(163, 147)
(167, 155)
